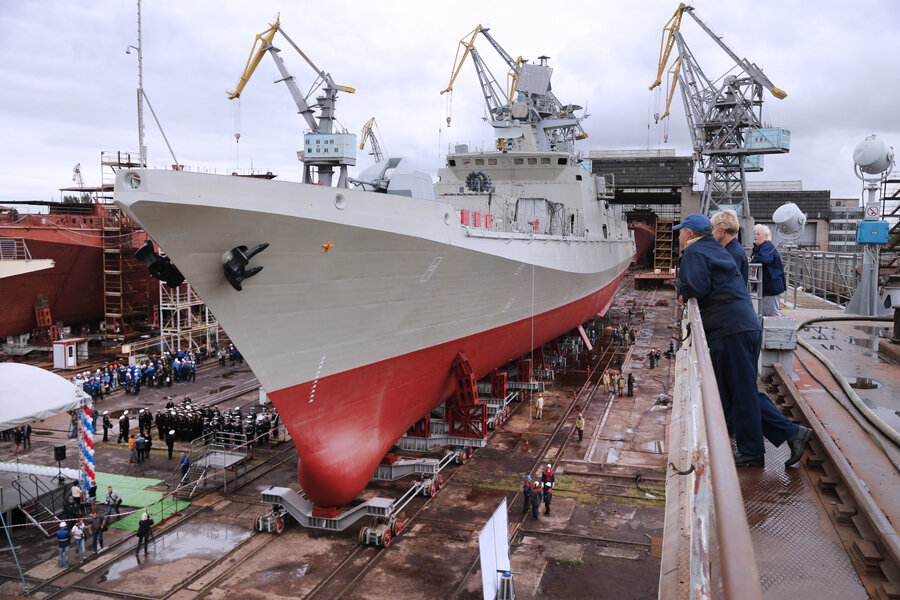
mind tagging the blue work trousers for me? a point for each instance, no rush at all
(752, 414)
(63, 553)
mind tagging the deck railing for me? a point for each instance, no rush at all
(832, 276)
(721, 556)
(14, 249)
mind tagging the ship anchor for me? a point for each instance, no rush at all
(235, 261)
(160, 267)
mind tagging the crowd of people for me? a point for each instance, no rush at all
(536, 492)
(82, 519)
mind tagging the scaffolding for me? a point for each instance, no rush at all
(185, 321)
(663, 251)
(126, 287)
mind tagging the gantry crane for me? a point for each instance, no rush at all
(323, 148)
(724, 119)
(526, 100)
(368, 133)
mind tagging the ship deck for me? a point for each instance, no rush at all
(606, 530)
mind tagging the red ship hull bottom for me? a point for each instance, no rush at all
(345, 423)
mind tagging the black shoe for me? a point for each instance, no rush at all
(797, 444)
(749, 460)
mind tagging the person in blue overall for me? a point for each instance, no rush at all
(526, 491)
(725, 229)
(773, 281)
(733, 334)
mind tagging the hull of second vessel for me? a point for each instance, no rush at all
(354, 344)
(74, 287)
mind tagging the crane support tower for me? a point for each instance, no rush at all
(724, 118)
(526, 100)
(324, 149)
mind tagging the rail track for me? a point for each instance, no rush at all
(123, 547)
(865, 530)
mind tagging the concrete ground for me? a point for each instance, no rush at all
(600, 540)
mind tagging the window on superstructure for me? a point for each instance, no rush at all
(545, 161)
(532, 160)
(479, 161)
(451, 162)
(518, 161)
(492, 161)
(578, 178)
(604, 232)
(562, 161)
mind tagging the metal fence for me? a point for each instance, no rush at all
(832, 276)
(14, 249)
(712, 531)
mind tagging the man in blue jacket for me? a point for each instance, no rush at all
(709, 274)
(773, 283)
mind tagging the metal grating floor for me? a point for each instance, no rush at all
(798, 551)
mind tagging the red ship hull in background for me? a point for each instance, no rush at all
(643, 224)
(72, 235)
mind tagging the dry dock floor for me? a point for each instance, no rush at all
(601, 539)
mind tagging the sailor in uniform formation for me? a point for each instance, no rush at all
(190, 422)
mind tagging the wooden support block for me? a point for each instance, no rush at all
(828, 484)
(843, 512)
(865, 554)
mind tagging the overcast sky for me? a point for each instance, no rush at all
(69, 88)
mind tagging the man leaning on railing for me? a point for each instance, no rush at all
(733, 333)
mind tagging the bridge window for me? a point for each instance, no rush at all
(562, 161)
(532, 161)
(545, 160)
(518, 161)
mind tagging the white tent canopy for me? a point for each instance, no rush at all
(30, 393)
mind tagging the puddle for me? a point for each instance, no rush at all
(204, 540)
(231, 374)
(869, 343)
(219, 389)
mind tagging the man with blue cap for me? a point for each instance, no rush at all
(708, 273)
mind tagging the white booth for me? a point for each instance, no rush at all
(67, 353)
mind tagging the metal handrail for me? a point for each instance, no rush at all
(715, 480)
(38, 487)
(14, 249)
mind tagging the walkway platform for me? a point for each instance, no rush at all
(804, 524)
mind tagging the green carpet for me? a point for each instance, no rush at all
(158, 511)
(135, 496)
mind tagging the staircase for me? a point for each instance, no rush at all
(41, 516)
(191, 480)
(35, 510)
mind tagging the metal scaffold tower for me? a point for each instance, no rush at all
(185, 321)
(126, 288)
(724, 119)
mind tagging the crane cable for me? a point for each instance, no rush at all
(237, 132)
